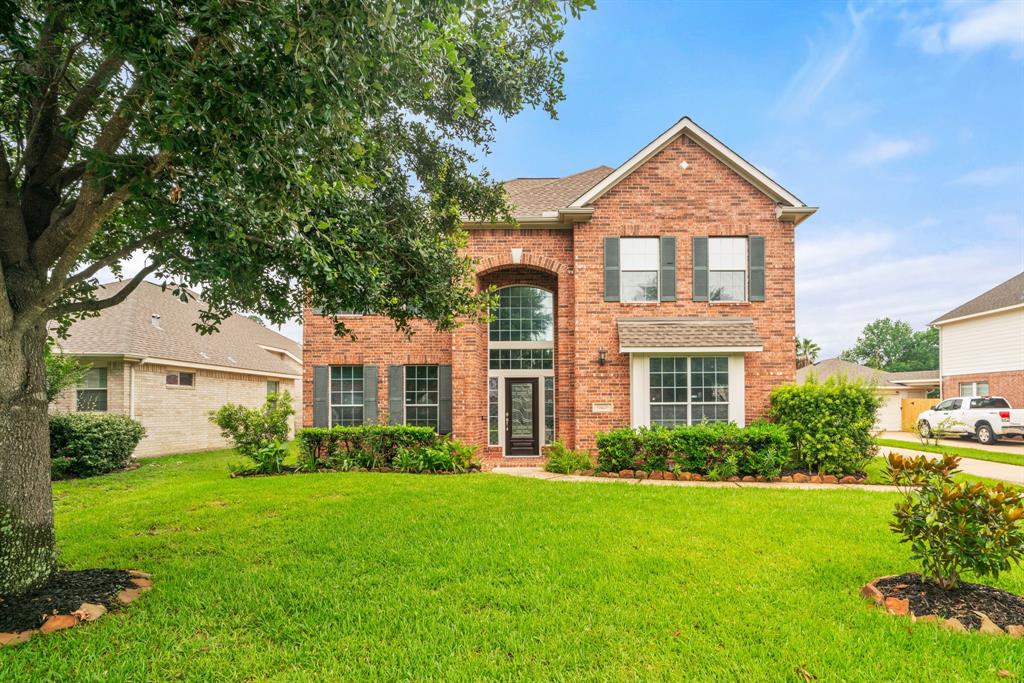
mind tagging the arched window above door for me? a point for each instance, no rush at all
(525, 314)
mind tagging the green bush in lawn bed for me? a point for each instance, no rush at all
(719, 450)
(89, 444)
(829, 423)
(401, 447)
(563, 460)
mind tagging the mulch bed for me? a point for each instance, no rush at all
(966, 603)
(63, 594)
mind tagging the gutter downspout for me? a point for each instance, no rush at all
(131, 391)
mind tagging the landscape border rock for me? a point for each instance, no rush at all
(795, 477)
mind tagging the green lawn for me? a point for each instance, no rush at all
(962, 451)
(353, 576)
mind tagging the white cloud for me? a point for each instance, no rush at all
(882, 150)
(850, 276)
(966, 27)
(995, 175)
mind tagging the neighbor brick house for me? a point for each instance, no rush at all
(147, 361)
(981, 344)
(661, 291)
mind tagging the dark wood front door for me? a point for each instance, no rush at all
(522, 424)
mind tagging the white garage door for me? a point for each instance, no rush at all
(890, 414)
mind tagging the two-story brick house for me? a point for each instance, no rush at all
(661, 291)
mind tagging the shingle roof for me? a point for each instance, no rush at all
(1009, 293)
(128, 329)
(833, 367)
(531, 197)
(687, 332)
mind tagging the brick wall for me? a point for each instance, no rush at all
(1009, 385)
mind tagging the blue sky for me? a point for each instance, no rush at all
(904, 122)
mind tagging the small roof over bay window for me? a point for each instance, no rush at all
(688, 335)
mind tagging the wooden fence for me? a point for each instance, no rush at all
(911, 408)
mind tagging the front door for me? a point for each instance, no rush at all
(522, 426)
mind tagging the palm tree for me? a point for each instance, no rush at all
(806, 352)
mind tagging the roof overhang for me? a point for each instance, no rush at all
(940, 322)
(551, 220)
(686, 126)
(149, 360)
(931, 381)
(691, 350)
(794, 214)
(690, 335)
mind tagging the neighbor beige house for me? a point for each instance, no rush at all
(146, 360)
(892, 387)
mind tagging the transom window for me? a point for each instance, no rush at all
(525, 314)
(91, 393)
(689, 390)
(639, 259)
(421, 391)
(974, 388)
(727, 269)
(180, 379)
(346, 395)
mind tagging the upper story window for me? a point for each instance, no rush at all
(346, 395)
(639, 259)
(180, 379)
(525, 314)
(727, 268)
(91, 394)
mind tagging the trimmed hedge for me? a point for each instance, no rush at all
(370, 446)
(89, 444)
(718, 451)
(830, 423)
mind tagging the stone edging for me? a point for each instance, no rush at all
(86, 612)
(901, 607)
(664, 475)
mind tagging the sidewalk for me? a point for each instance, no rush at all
(979, 468)
(1001, 446)
(538, 473)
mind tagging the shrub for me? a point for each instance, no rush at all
(563, 460)
(88, 444)
(370, 446)
(953, 528)
(253, 429)
(720, 450)
(448, 455)
(829, 423)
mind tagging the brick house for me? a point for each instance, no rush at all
(981, 344)
(147, 361)
(661, 291)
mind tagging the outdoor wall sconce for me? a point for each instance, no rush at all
(601, 356)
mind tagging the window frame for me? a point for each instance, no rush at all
(689, 389)
(974, 388)
(331, 405)
(277, 384)
(81, 386)
(745, 240)
(176, 384)
(436, 405)
(656, 269)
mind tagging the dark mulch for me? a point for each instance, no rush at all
(62, 594)
(961, 603)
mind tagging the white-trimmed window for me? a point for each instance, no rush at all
(91, 393)
(180, 379)
(727, 268)
(421, 395)
(974, 388)
(685, 390)
(639, 259)
(346, 395)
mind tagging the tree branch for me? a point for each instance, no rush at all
(95, 305)
(13, 236)
(111, 259)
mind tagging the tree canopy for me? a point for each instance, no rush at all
(894, 346)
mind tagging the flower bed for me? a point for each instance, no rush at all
(383, 448)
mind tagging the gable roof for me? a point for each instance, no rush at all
(686, 126)
(127, 329)
(833, 367)
(535, 197)
(1005, 295)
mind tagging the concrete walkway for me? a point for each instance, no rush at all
(538, 473)
(1002, 446)
(979, 468)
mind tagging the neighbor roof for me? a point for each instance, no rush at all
(127, 329)
(834, 367)
(683, 333)
(534, 197)
(1005, 295)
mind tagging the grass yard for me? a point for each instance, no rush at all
(962, 451)
(455, 578)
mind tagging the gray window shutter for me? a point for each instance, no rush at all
(396, 394)
(444, 399)
(700, 268)
(611, 269)
(369, 394)
(755, 255)
(668, 268)
(321, 395)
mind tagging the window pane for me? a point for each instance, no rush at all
(94, 378)
(639, 253)
(549, 409)
(727, 253)
(89, 400)
(492, 410)
(172, 378)
(521, 359)
(186, 379)
(421, 392)
(668, 390)
(273, 387)
(709, 412)
(727, 285)
(346, 395)
(524, 314)
(640, 285)
(349, 416)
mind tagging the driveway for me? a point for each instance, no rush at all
(1002, 446)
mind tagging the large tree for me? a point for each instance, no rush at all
(894, 346)
(274, 152)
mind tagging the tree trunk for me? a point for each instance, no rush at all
(27, 543)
